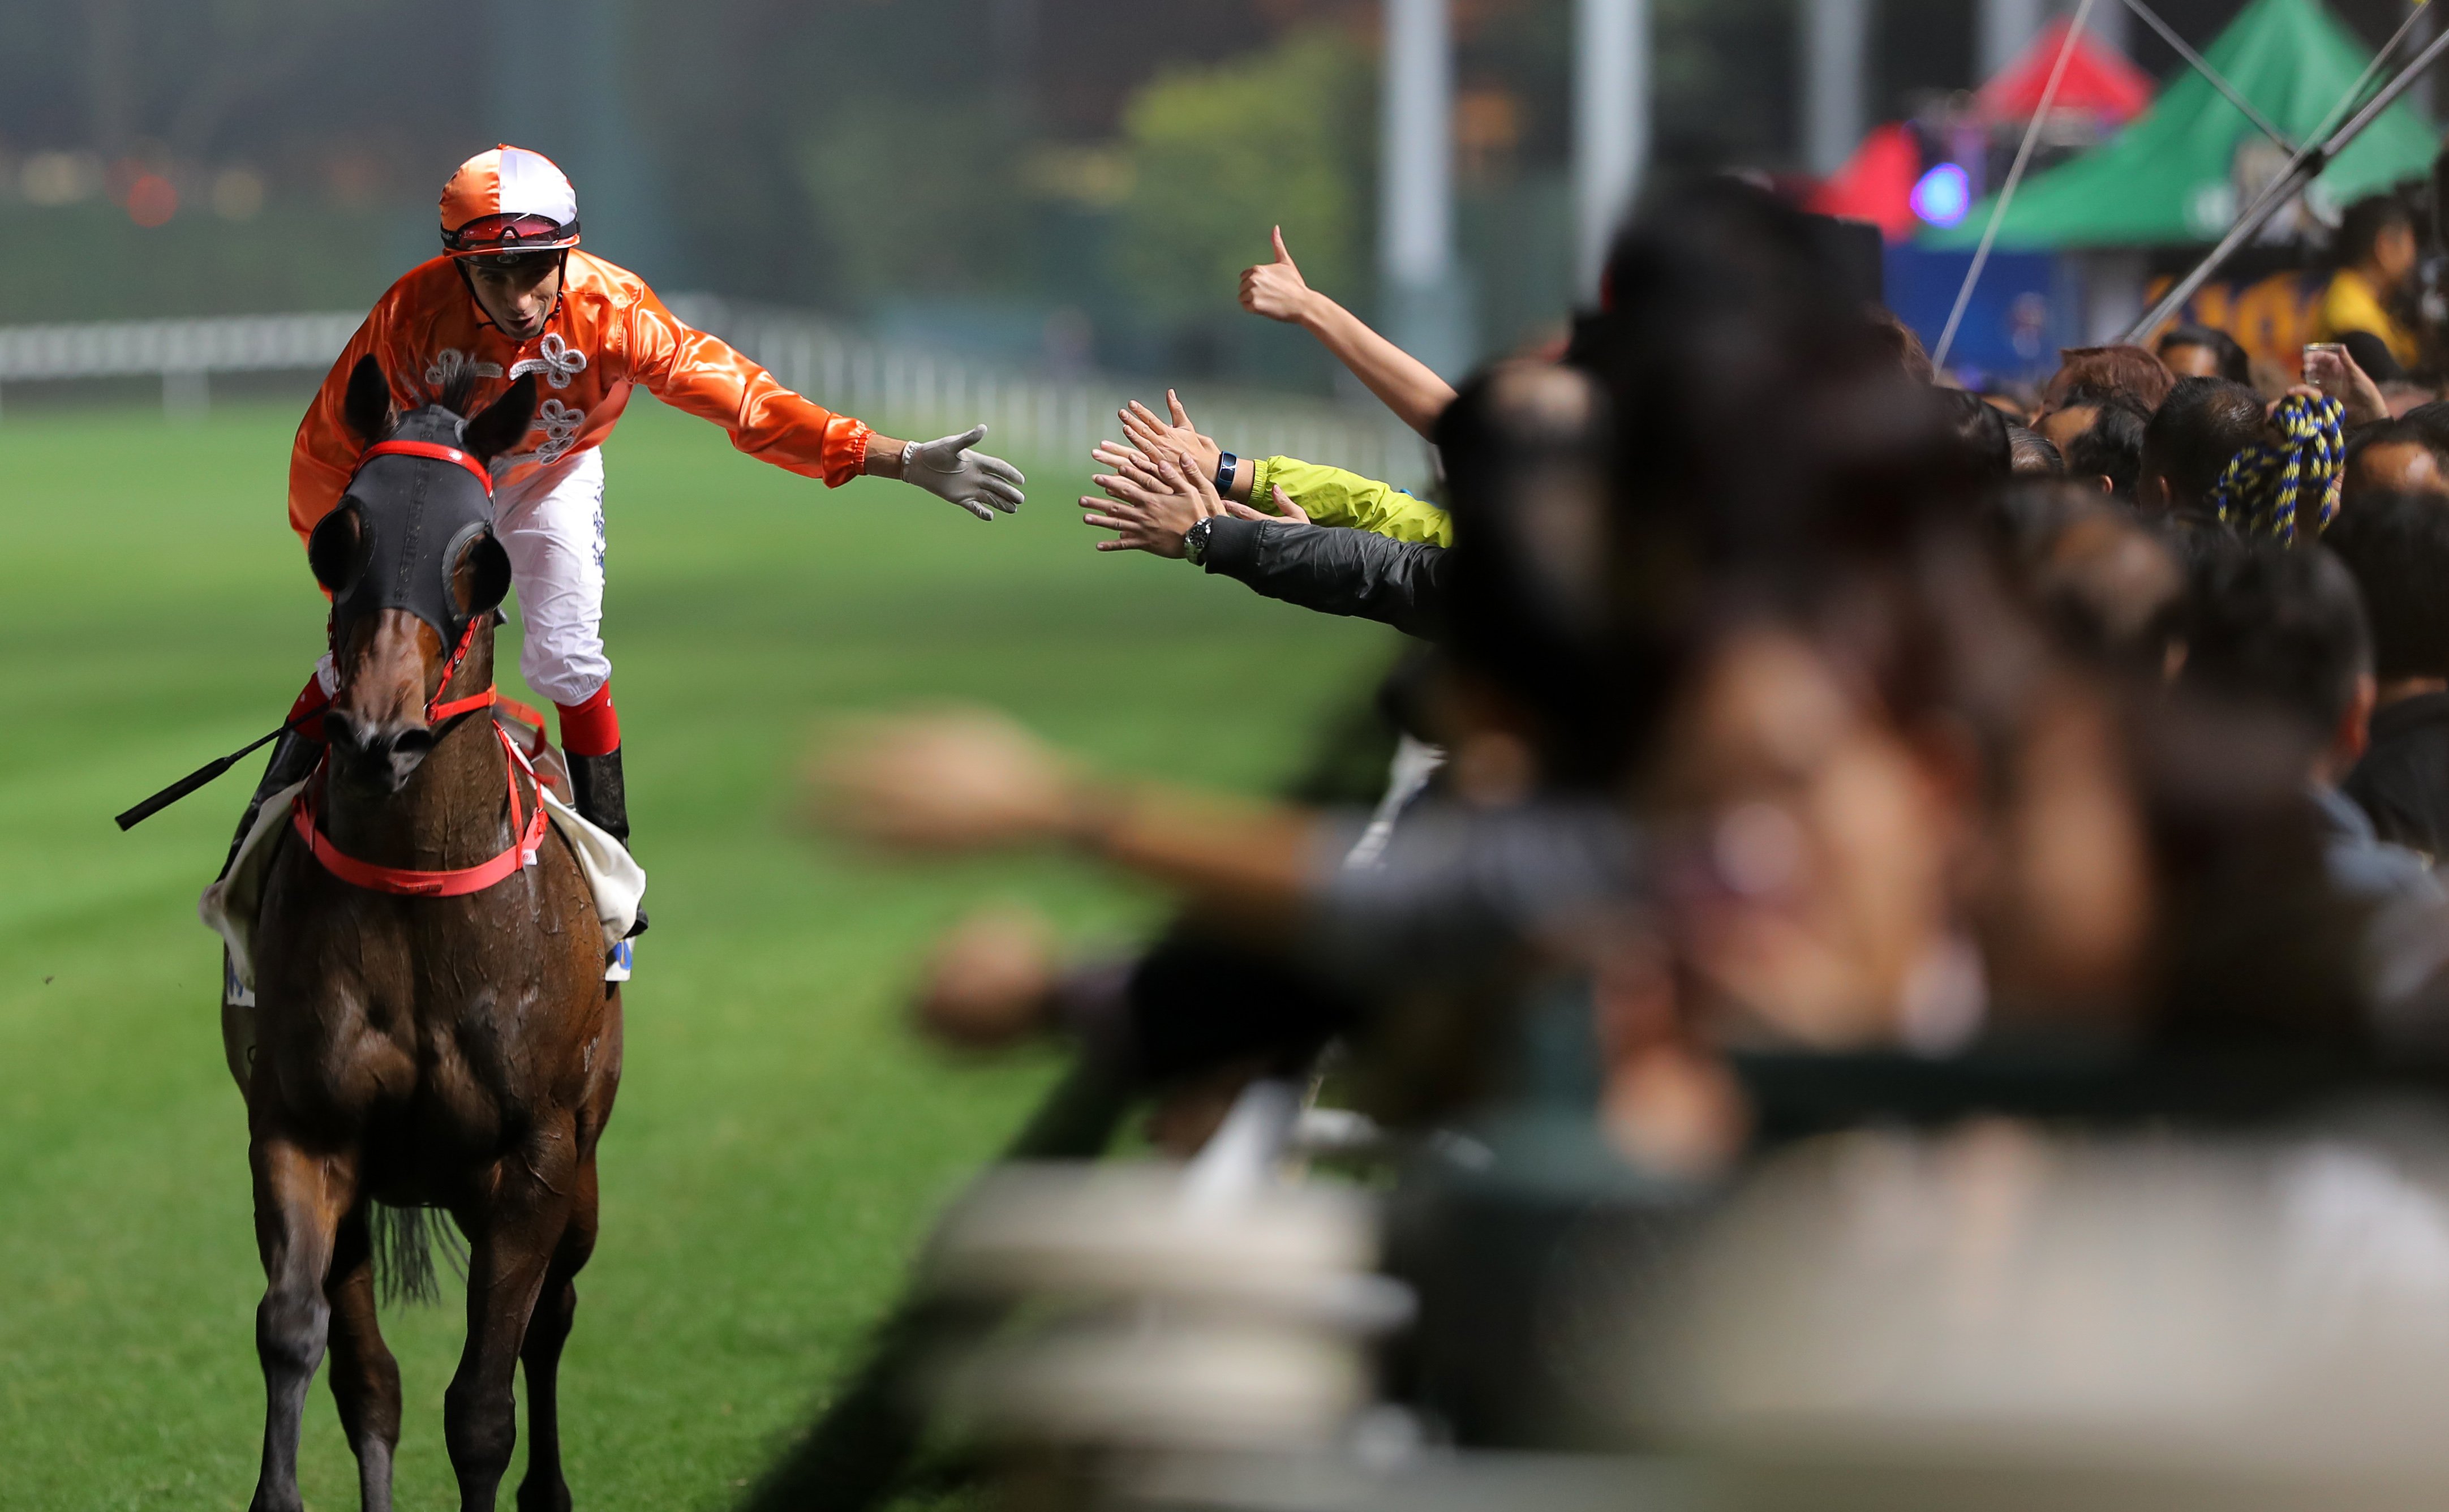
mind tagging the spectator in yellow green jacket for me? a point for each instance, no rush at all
(1328, 496)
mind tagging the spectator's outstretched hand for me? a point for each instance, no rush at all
(970, 778)
(990, 981)
(1131, 466)
(1276, 290)
(964, 779)
(1155, 437)
(1400, 381)
(1150, 505)
(1285, 508)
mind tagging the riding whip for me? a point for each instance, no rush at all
(205, 773)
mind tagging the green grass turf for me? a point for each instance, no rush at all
(780, 1142)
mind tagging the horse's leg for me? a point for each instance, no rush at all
(300, 1197)
(365, 1378)
(515, 1234)
(542, 1489)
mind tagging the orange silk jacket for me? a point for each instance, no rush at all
(609, 334)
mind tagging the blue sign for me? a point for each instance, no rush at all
(2027, 306)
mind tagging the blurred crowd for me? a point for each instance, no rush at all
(1793, 748)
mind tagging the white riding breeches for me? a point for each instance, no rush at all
(552, 527)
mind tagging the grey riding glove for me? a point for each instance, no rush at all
(947, 468)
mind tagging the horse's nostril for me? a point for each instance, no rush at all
(413, 744)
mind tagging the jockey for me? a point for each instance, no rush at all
(511, 295)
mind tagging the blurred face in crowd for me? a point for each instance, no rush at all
(2188, 360)
(2062, 888)
(1492, 755)
(2406, 467)
(2065, 895)
(1817, 845)
(516, 292)
(2394, 255)
(1854, 877)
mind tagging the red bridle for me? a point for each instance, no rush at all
(434, 451)
(434, 708)
(527, 828)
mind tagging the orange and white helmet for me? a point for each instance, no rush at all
(507, 199)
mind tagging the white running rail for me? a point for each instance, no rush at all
(898, 387)
(183, 354)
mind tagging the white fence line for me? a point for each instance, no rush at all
(896, 387)
(183, 354)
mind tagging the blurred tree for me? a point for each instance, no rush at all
(829, 154)
(916, 194)
(1219, 154)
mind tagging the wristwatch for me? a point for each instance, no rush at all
(1194, 543)
(1226, 463)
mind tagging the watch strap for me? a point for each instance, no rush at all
(1194, 544)
(1226, 465)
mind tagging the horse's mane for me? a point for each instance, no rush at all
(456, 392)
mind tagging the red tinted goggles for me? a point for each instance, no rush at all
(510, 233)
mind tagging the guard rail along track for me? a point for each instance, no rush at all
(900, 388)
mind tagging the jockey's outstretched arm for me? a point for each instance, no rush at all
(692, 371)
(701, 373)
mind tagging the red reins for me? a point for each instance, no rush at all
(434, 708)
(527, 835)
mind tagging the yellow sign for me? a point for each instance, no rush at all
(2271, 320)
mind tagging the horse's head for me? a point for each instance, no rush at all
(411, 562)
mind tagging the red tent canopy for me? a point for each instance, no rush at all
(1877, 184)
(2098, 79)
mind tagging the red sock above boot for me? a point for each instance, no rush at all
(590, 728)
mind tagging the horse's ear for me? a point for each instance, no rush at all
(504, 424)
(336, 550)
(369, 402)
(481, 577)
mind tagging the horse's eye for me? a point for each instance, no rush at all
(480, 574)
(336, 550)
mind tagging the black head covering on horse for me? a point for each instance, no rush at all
(404, 527)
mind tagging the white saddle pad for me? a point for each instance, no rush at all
(229, 908)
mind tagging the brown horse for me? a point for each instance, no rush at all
(445, 1043)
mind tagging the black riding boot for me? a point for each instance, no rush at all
(293, 756)
(603, 801)
(595, 782)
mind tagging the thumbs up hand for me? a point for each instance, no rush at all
(1276, 289)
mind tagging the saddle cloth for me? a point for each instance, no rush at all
(229, 908)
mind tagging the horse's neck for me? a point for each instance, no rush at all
(452, 811)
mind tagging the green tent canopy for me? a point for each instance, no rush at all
(2169, 177)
